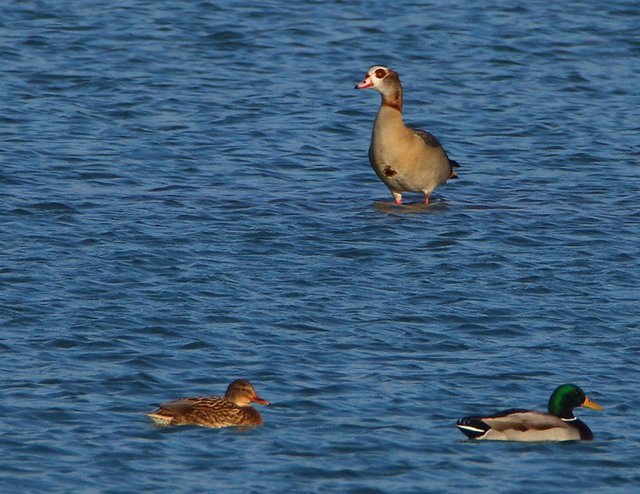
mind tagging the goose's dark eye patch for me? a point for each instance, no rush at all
(380, 73)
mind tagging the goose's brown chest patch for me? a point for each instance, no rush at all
(389, 172)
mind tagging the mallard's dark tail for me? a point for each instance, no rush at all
(472, 427)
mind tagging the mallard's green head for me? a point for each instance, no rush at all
(567, 397)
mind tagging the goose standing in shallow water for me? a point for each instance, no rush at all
(405, 159)
(525, 425)
(232, 409)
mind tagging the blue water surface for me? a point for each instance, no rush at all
(186, 199)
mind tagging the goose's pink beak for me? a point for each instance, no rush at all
(365, 84)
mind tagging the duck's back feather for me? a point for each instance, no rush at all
(212, 411)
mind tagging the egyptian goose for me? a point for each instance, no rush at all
(525, 425)
(405, 159)
(232, 409)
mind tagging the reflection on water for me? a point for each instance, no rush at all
(411, 207)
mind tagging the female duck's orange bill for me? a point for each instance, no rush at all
(257, 399)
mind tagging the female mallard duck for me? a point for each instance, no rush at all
(525, 425)
(232, 409)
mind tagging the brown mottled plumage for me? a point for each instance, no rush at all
(232, 409)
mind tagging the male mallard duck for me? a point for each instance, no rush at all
(232, 409)
(525, 425)
(405, 159)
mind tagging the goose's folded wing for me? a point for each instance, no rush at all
(428, 138)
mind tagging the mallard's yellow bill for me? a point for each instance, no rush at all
(591, 404)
